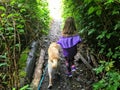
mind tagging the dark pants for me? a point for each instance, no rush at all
(69, 62)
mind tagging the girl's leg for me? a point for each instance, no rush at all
(68, 64)
(72, 61)
(73, 68)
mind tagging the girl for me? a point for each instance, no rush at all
(68, 41)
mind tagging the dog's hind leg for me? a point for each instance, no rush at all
(50, 81)
(50, 76)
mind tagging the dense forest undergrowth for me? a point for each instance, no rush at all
(23, 21)
(99, 25)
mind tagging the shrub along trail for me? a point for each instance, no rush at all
(82, 79)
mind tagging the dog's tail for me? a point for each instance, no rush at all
(54, 63)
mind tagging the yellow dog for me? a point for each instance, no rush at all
(53, 60)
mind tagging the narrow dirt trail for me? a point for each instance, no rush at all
(81, 80)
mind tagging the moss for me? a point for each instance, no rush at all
(22, 73)
(22, 62)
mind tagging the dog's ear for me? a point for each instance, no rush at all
(59, 46)
(55, 45)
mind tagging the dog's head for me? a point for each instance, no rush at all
(54, 44)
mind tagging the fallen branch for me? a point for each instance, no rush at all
(85, 62)
(38, 70)
(94, 61)
(87, 65)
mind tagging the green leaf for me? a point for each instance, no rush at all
(102, 35)
(91, 10)
(3, 56)
(99, 69)
(17, 45)
(100, 84)
(22, 10)
(116, 55)
(2, 8)
(21, 31)
(98, 12)
(91, 31)
(10, 28)
(24, 87)
(115, 12)
(101, 50)
(13, 89)
(108, 35)
(109, 65)
(3, 64)
(1, 28)
(12, 2)
(102, 62)
(10, 15)
(22, 73)
(13, 15)
(2, 15)
(110, 53)
(83, 30)
(20, 5)
(117, 48)
(87, 1)
(108, 2)
(20, 26)
(117, 26)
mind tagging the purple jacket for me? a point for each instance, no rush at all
(69, 45)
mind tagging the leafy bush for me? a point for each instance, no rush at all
(98, 22)
(21, 22)
(110, 79)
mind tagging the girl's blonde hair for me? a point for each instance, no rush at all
(69, 26)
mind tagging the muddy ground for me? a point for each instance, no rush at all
(82, 79)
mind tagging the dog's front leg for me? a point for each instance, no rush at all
(58, 69)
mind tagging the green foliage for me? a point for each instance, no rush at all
(22, 62)
(37, 12)
(104, 67)
(26, 87)
(3, 64)
(23, 58)
(70, 9)
(22, 73)
(21, 22)
(111, 78)
(11, 27)
(98, 22)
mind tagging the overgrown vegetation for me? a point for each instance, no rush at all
(98, 22)
(21, 22)
(110, 77)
